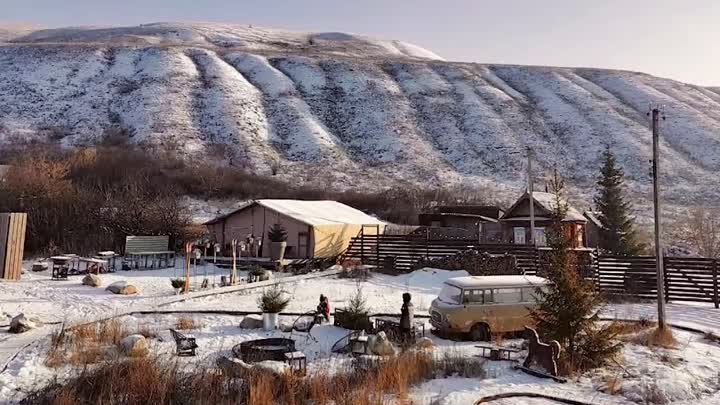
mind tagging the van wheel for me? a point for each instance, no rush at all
(480, 332)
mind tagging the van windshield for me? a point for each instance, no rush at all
(450, 294)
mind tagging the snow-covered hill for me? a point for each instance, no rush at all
(352, 109)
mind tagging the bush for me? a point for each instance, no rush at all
(277, 233)
(273, 300)
(177, 282)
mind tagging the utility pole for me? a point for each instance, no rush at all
(656, 113)
(530, 193)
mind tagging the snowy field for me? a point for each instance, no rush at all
(687, 375)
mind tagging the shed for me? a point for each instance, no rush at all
(315, 229)
(480, 222)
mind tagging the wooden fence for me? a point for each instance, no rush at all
(402, 252)
(686, 279)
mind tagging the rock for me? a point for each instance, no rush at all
(285, 326)
(93, 280)
(122, 288)
(276, 367)
(251, 322)
(381, 345)
(134, 345)
(39, 266)
(425, 343)
(21, 324)
(233, 368)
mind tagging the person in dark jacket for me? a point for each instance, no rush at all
(407, 315)
(323, 308)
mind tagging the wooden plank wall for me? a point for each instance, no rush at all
(686, 278)
(408, 250)
(12, 244)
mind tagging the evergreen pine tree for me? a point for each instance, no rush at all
(617, 235)
(568, 309)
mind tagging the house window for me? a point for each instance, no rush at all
(540, 238)
(519, 235)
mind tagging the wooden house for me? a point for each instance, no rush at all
(481, 222)
(516, 221)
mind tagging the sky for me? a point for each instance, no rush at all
(668, 38)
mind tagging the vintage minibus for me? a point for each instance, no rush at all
(479, 306)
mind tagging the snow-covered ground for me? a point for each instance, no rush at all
(686, 375)
(376, 111)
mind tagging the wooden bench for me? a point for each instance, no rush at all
(184, 345)
(497, 352)
(149, 252)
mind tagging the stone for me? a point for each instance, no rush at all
(251, 322)
(134, 345)
(233, 368)
(122, 288)
(381, 345)
(39, 266)
(93, 280)
(425, 343)
(22, 324)
(275, 367)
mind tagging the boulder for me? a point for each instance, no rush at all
(381, 345)
(39, 266)
(93, 280)
(21, 324)
(275, 367)
(233, 368)
(134, 345)
(251, 322)
(425, 343)
(122, 288)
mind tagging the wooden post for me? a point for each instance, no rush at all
(666, 282)
(715, 283)
(188, 275)
(362, 245)
(233, 275)
(377, 246)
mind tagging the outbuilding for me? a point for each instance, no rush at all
(315, 229)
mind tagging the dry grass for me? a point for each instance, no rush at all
(624, 328)
(186, 323)
(163, 382)
(656, 337)
(613, 385)
(87, 344)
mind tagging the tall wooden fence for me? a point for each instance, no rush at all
(403, 252)
(686, 279)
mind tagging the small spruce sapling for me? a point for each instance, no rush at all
(277, 233)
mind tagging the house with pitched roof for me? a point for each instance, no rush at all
(516, 221)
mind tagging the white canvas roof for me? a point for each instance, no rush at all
(496, 281)
(320, 212)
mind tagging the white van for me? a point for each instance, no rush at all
(482, 305)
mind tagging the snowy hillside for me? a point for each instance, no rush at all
(363, 110)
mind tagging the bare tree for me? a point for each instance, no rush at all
(699, 230)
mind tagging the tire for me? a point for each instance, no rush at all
(480, 332)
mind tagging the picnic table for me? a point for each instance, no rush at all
(497, 352)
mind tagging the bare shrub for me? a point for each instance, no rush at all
(186, 323)
(656, 337)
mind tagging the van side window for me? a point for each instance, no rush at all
(508, 295)
(474, 296)
(488, 297)
(528, 295)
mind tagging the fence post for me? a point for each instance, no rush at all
(362, 245)
(427, 242)
(666, 280)
(377, 246)
(715, 283)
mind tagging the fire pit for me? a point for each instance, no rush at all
(264, 349)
